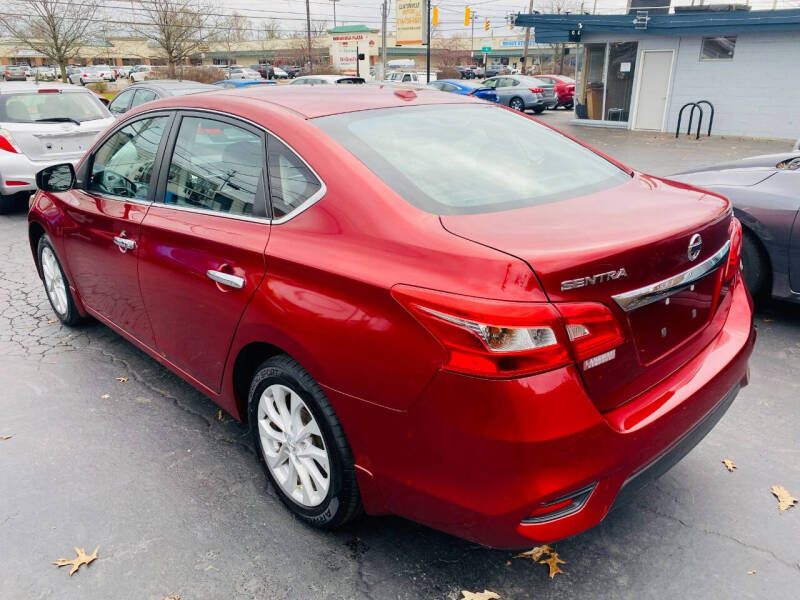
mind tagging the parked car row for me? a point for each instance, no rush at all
(277, 248)
(520, 92)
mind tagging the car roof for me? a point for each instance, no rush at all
(30, 86)
(312, 101)
(171, 84)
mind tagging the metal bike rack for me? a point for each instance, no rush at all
(695, 105)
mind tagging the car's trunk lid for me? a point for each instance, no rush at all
(595, 247)
(59, 140)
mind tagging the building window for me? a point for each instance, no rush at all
(718, 48)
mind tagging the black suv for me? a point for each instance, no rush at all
(266, 71)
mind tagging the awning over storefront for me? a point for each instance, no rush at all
(557, 28)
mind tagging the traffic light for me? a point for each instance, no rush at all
(466, 17)
(486, 25)
(435, 16)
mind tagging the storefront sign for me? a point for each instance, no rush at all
(350, 37)
(412, 22)
(516, 44)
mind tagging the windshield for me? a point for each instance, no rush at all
(501, 161)
(28, 108)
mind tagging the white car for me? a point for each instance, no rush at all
(86, 75)
(408, 77)
(280, 73)
(43, 125)
(325, 79)
(244, 73)
(139, 73)
(106, 72)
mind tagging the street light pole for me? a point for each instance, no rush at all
(308, 34)
(428, 49)
(334, 11)
(384, 18)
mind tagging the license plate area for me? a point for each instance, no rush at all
(661, 326)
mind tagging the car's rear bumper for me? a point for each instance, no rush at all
(476, 457)
(21, 170)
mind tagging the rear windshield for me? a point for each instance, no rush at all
(466, 159)
(28, 108)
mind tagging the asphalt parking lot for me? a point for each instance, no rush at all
(175, 500)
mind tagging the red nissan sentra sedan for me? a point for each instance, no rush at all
(422, 304)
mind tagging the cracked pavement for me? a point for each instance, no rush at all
(177, 503)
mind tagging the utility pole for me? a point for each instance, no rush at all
(334, 11)
(472, 17)
(527, 41)
(428, 49)
(384, 18)
(308, 34)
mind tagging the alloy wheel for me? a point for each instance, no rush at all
(516, 104)
(293, 447)
(54, 282)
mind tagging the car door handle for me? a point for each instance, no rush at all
(124, 243)
(233, 281)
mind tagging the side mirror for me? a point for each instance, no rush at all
(56, 178)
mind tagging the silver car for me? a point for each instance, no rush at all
(42, 125)
(13, 73)
(522, 92)
(86, 75)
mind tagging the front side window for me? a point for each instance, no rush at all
(122, 166)
(215, 166)
(291, 182)
(718, 48)
(521, 162)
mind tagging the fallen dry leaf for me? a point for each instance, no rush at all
(484, 595)
(785, 499)
(535, 553)
(6, 437)
(553, 561)
(768, 320)
(173, 597)
(106, 396)
(51, 321)
(728, 464)
(751, 572)
(122, 379)
(81, 559)
(219, 416)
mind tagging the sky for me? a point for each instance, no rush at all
(451, 12)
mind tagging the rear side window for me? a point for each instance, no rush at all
(503, 160)
(55, 106)
(143, 96)
(291, 182)
(215, 166)
(123, 164)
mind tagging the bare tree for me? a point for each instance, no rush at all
(180, 28)
(270, 30)
(558, 7)
(449, 53)
(231, 30)
(55, 28)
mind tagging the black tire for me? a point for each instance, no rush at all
(9, 204)
(539, 110)
(82, 82)
(70, 316)
(517, 104)
(755, 265)
(343, 501)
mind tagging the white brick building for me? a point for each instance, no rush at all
(637, 71)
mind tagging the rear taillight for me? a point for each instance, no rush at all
(593, 331)
(489, 338)
(495, 338)
(7, 142)
(735, 254)
(537, 90)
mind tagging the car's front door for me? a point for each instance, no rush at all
(103, 247)
(204, 241)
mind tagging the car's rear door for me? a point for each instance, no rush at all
(103, 246)
(204, 239)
